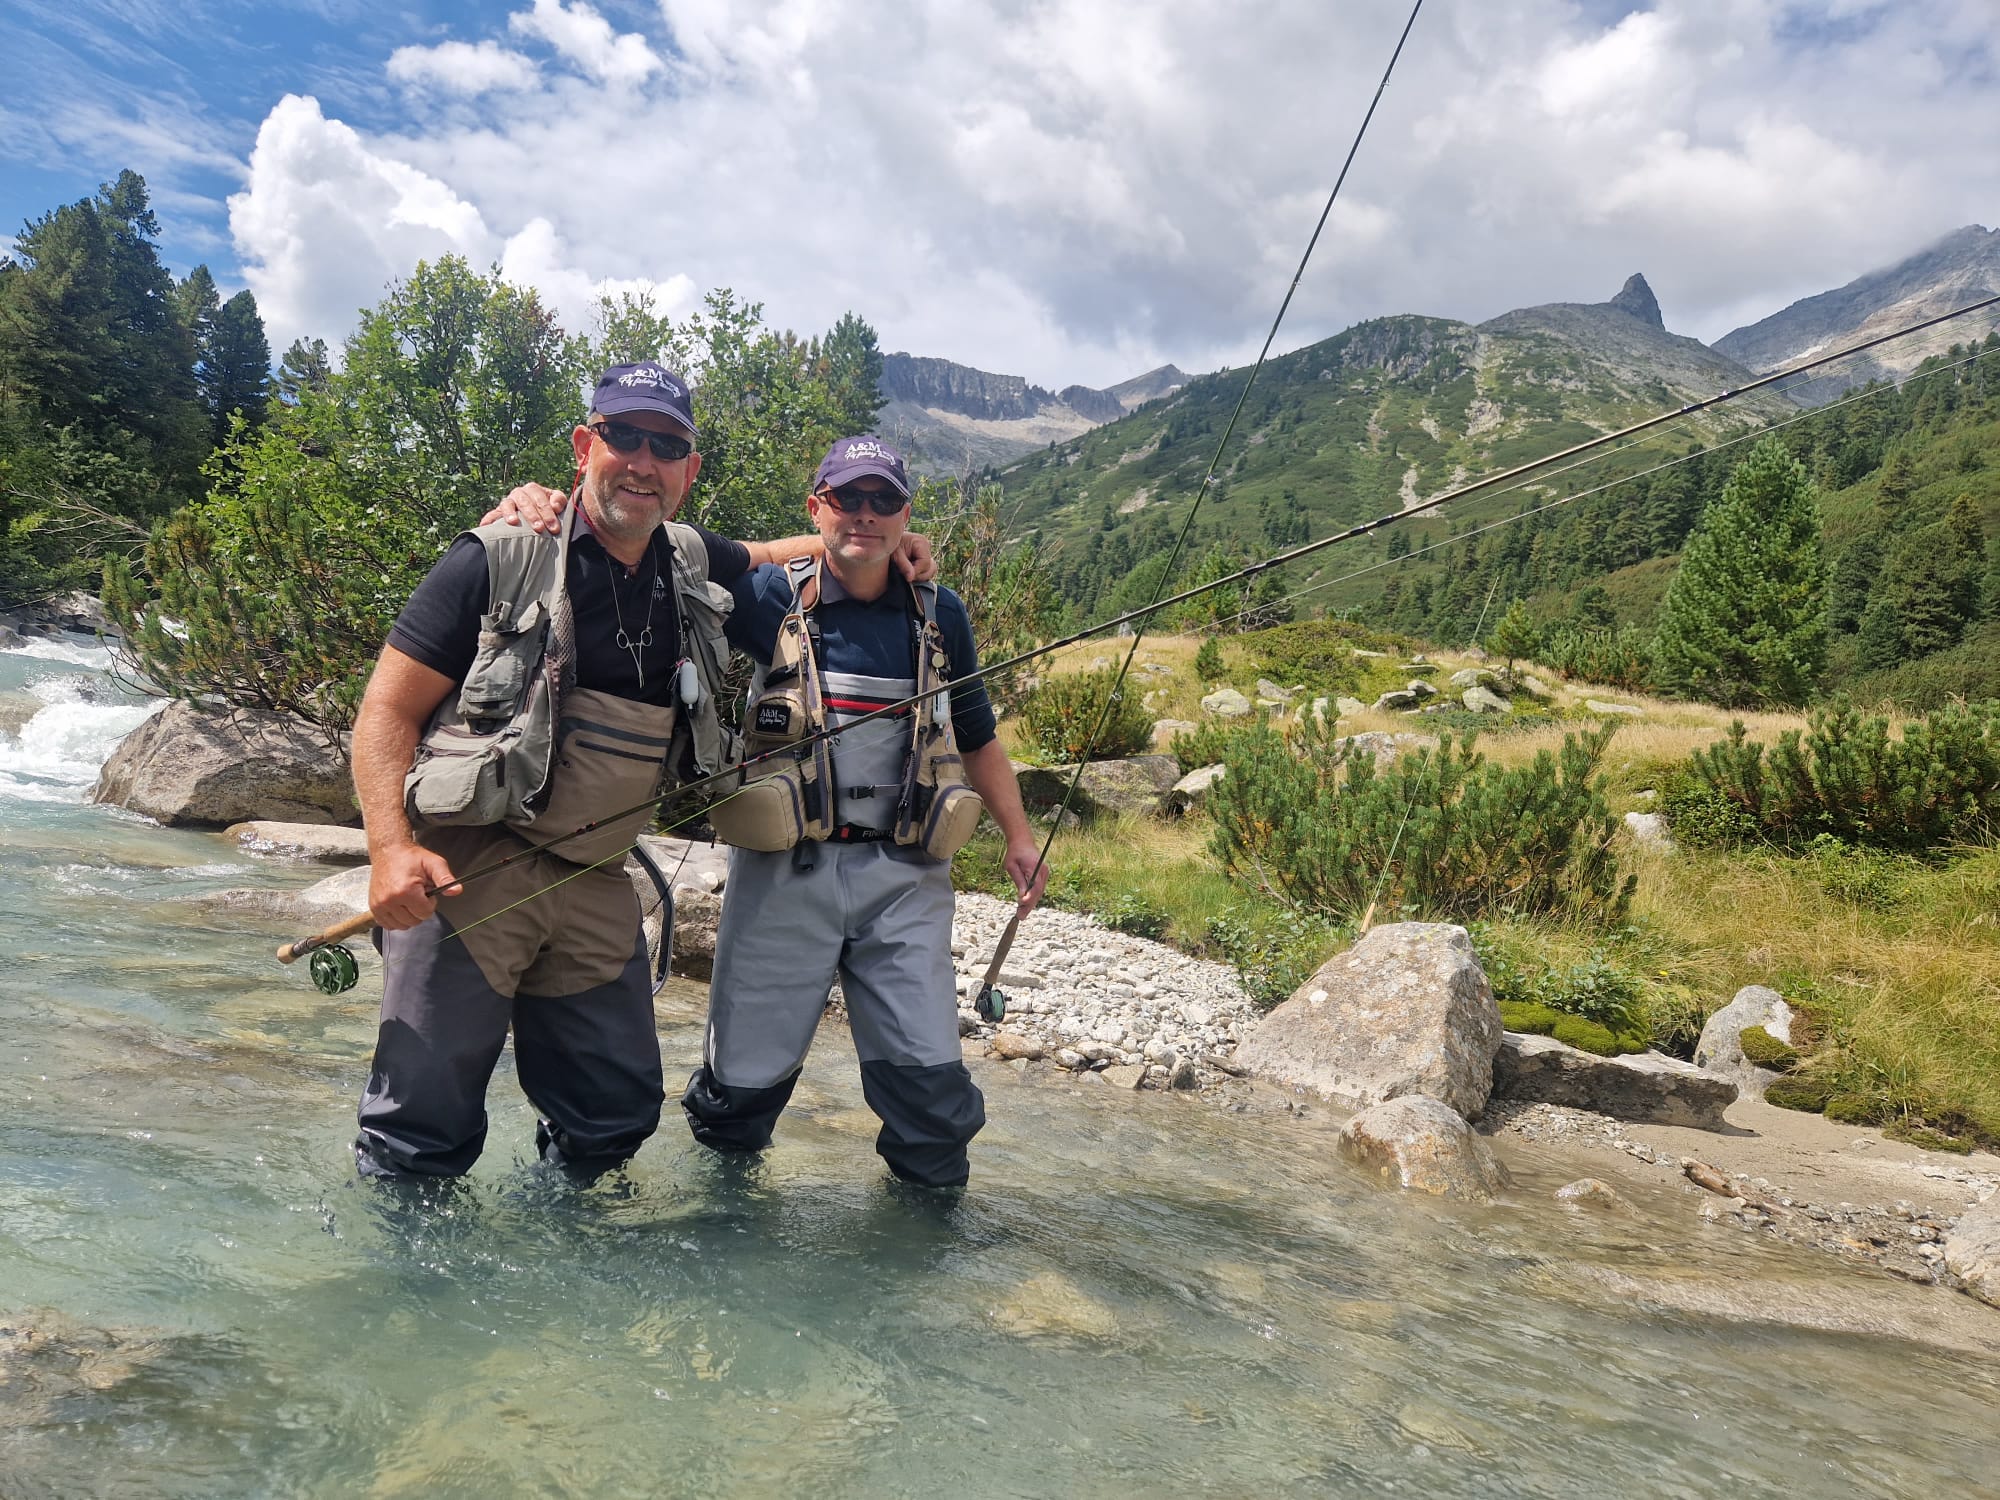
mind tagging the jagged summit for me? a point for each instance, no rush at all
(1637, 298)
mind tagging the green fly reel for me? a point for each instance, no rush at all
(333, 970)
(991, 1006)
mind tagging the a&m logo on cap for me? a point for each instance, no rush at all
(653, 376)
(867, 448)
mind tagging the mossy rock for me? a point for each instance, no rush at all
(1911, 1134)
(1593, 1036)
(1765, 1050)
(1854, 1109)
(1530, 1016)
(1800, 1091)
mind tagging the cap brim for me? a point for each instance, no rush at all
(834, 478)
(612, 406)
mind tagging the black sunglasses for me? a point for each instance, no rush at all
(850, 500)
(626, 439)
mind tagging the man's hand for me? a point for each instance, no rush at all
(534, 505)
(1023, 854)
(399, 881)
(913, 558)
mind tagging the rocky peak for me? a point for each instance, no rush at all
(1637, 298)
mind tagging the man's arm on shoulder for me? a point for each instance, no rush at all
(402, 695)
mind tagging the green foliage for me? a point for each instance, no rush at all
(1005, 585)
(1207, 744)
(1131, 913)
(1440, 834)
(1745, 617)
(1765, 1050)
(1538, 1019)
(1208, 665)
(1319, 653)
(1514, 635)
(1060, 716)
(1936, 785)
(1587, 653)
(1860, 877)
(1807, 1091)
(1274, 949)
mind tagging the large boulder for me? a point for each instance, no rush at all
(1406, 1010)
(1385, 748)
(211, 768)
(1720, 1049)
(1482, 700)
(1417, 1143)
(308, 909)
(1650, 1088)
(1972, 1251)
(1226, 703)
(1396, 700)
(1136, 784)
(697, 913)
(1164, 731)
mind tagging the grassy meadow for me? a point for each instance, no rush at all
(1893, 961)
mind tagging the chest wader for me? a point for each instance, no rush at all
(790, 801)
(521, 746)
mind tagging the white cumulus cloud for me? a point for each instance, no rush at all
(586, 39)
(462, 68)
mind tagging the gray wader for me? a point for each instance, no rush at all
(879, 916)
(565, 970)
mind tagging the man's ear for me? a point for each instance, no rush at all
(579, 440)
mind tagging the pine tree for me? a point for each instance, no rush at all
(235, 369)
(1745, 616)
(1515, 636)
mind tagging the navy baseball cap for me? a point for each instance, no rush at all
(646, 386)
(851, 458)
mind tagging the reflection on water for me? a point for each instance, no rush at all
(1138, 1296)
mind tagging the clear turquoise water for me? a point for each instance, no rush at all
(1138, 1297)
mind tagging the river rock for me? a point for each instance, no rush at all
(1720, 1049)
(1406, 1010)
(318, 905)
(1125, 1075)
(698, 865)
(190, 765)
(1008, 1045)
(1191, 790)
(1226, 703)
(328, 842)
(1419, 1143)
(1053, 1304)
(1972, 1251)
(1651, 1088)
(697, 913)
(1593, 1193)
(1482, 700)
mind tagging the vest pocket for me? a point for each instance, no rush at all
(501, 667)
(460, 777)
(767, 814)
(610, 754)
(949, 825)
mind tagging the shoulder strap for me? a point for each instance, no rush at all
(524, 565)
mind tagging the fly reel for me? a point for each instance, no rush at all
(333, 970)
(991, 1006)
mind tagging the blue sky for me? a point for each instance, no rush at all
(1065, 189)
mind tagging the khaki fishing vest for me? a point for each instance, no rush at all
(790, 798)
(515, 746)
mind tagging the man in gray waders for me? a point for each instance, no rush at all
(533, 684)
(842, 862)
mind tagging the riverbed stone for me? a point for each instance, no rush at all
(697, 914)
(1650, 1088)
(1009, 1045)
(1421, 1144)
(201, 767)
(1125, 1075)
(309, 909)
(1592, 1193)
(1720, 1049)
(1972, 1251)
(1051, 1304)
(330, 843)
(1406, 1010)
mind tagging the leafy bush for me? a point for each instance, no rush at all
(1598, 991)
(1060, 715)
(1318, 652)
(1207, 744)
(1131, 913)
(1273, 950)
(1703, 816)
(1860, 877)
(1616, 658)
(1439, 834)
(1939, 784)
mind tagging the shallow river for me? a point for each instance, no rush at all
(1139, 1296)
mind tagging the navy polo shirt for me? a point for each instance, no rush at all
(868, 637)
(440, 625)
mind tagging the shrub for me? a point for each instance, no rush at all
(1318, 652)
(1131, 913)
(1438, 834)
(1703, 816)
(1208, 661)
(1616, 658)
(1860, 877)
(1936, 785)
(1061, 714)
(1273, 950)
(1205, 745)
(1808, 1092)
(1598, 991)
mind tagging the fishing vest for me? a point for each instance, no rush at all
(519, 744)
(915, 787)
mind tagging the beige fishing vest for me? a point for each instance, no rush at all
(514, 746)
(792, 797)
